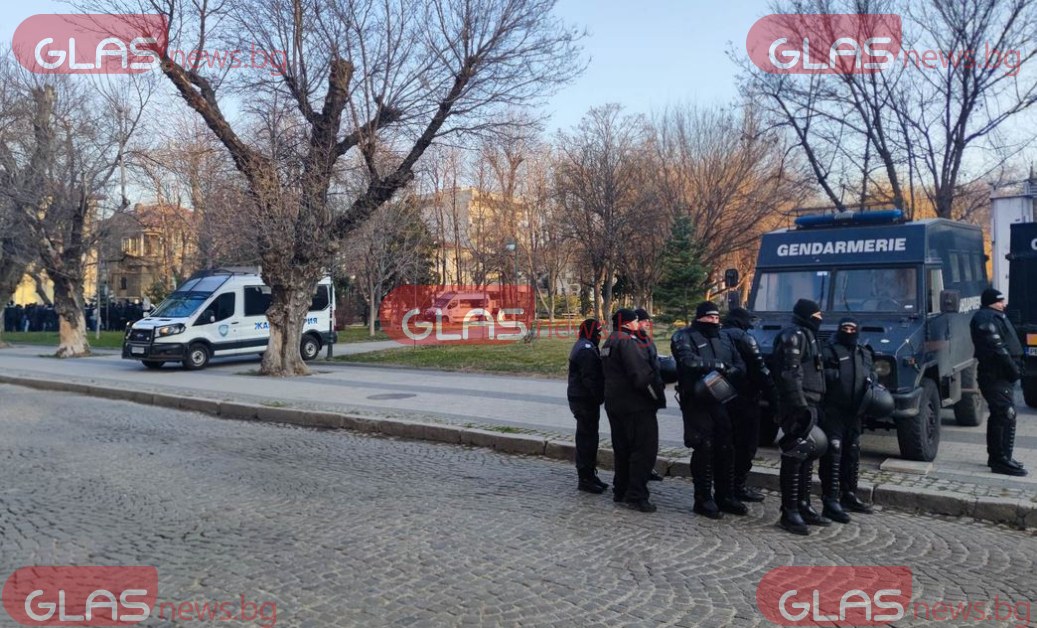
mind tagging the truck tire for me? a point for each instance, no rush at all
(919, 436)
(1030, 391)
(310, 347)
(968, 412)
(197, 357)
(152, 364)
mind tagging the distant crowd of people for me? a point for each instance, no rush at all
(37, 317)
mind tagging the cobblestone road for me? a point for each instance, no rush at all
(339, 529)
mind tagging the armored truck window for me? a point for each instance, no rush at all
(875, 290)
(257, 300)
(778, 292)
(955, 275)
(320, 299)
(935, 286)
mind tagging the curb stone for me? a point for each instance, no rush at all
(1018, 513)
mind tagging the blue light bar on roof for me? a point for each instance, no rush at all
(879, 217)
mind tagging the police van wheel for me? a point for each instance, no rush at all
(1030, 391)
(969, 411)
(197, 357)
(152, 364)
(919, 436)
(310, 348)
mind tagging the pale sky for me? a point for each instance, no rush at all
(642, 56)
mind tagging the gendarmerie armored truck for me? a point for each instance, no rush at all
(913, 286)
(1022, 300)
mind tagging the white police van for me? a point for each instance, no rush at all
(218, 313)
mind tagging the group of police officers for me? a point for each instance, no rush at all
(818, 392)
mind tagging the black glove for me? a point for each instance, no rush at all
(1016, 373)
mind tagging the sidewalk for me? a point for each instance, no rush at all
(511, 413)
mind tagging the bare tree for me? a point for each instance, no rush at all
(604, 180)
(60, 171)
(903, 135)
(394, 247)
(357, 75)
(728, 173)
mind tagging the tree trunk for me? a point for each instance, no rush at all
(291, 292)
(68, 304)
(372, 313)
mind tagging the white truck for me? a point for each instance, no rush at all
(219, 313)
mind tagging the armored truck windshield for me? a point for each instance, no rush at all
(852, 290)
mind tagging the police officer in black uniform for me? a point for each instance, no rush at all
(849, 372)
(644, 334)
(631, 404)
(799, 373)
(700, 350)
(1000, 357)
(745, 408)
(586, 392)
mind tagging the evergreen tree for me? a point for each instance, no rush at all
(683, 279)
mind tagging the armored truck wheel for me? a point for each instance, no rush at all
(152, 364)
(1030, 391)
(969, 411)
(919, 436)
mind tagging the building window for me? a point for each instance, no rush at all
(122, 283)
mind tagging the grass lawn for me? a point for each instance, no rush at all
(546, 357)
(108, 339)
(355, 333)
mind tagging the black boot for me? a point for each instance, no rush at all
(851, 471)
(702, 478)
(653, 476)
(723, 470)
(810, 516)
(589, 483)
(791, 520)
(1008, 446)
(829, 470)
(744, 493)
(997, 459)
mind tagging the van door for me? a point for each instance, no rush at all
(255, 330)
(216, 322)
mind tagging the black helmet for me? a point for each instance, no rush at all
(877, 402)
(714, 387)
(668, 369)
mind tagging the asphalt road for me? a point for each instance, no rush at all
(332, 528)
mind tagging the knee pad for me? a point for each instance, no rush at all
(1010, 414)
(835, 446)
(820, 442)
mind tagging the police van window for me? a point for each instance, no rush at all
(779, 291)
(875, 290)
(257, 300)
(320, 299)
(935, 286)
(955, 276)
(223, 306)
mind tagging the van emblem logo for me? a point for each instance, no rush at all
(223, 329)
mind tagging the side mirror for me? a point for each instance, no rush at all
(950, 301)
(208, 316)
(731, 278)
